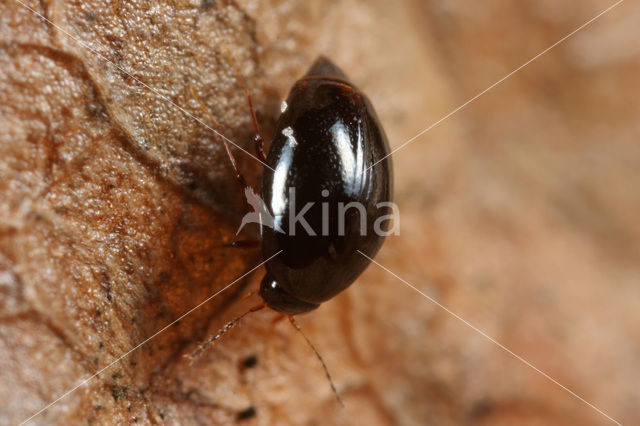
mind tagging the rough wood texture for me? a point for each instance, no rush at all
(519, 213)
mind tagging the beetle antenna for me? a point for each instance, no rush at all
(326, 370)
(228, 326)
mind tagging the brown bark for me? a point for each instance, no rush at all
(519, 213)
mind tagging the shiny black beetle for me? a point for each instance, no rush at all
(325, 144)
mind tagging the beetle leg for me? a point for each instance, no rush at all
(258, 141)
(234, 163)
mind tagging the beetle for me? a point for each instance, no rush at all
(328, 151)
(325, 142)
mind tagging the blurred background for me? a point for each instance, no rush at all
(519, 213)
